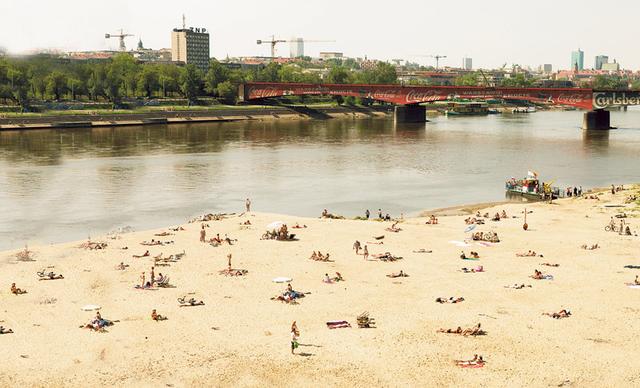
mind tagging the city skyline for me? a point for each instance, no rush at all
(506, 35)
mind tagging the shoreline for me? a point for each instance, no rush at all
(186, 117)
(240, 324)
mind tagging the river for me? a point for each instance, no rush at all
(62, 185)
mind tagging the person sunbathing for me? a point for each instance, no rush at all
(190, 302)
(122, 266)
(496, 217)
(457, 330)
(19, 291)
(143, 255)
(152, 242)
(518, 286)
(394, 228)
(49, 276)
(475, 255)
(297, 226)
(537, 275)
(560, 314)
(163, 234)
(228, 240)
(247, 222)
(636, 281)
(432, 220)
(157, 317)
(478, 214)
(504, 214)
(4, 330)
(473, 331)
(550, 265)
(529, 253)
(177, 229)
(338, 277)
(472, 270)
(463, 256)
(476, 361)
(422, 250)
(314, 256)
(400, 274)
(450, 300)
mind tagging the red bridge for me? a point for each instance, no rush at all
(409, 95)
(408, 98)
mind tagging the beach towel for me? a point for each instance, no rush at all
(281, 280)
(459, 243)
(632, 285)
(484, 244)
(338, 324)
(470, 258)
(470, 365)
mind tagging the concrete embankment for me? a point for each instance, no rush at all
(190, 116)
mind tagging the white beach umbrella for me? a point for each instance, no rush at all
(275, 225)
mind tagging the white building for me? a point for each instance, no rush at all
(296, 48)
(467, 63)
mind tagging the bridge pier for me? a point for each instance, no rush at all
(597, 119)
(410, 114)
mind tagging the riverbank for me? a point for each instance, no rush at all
(122, 118)
(239, 325)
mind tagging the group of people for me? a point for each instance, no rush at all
(357, 246)
(486, 236)
(574, 191)
(289, 295)
(472, 255)
(318, 256)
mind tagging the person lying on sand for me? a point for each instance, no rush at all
(289, 295)
(475, 361)
(152, 242)
(518, 286)
(157, 317)
(387, 256)
(229, 241)
(473, 270)
(49, 276)
(122, 266)
(184, 302)
(550, 265)
(394, 228)
(163, 234)
(297, 226)
(590, 247)
(473, 331)
(331, 280)
(18, 291)
(176, 229)
(560, 314)
(143, 255)
(422, 250)
(537, 275)
(97, 323)
(3, 330)
(450, 300)
(457, 330)
(400, 274)
(529, 253)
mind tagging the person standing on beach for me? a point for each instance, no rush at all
(380, 213)
(367, 214)
(366, 253)
(153, 275)
(229, 261)
(203, 234)
(247, 204)
(142, 278)
(356, 247)
(295, 333)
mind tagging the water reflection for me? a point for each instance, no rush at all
(64, 184)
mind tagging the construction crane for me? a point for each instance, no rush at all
(121, 36)
(273, 42)
(437, 57)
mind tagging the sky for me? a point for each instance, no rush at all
(492, 32)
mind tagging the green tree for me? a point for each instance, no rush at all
(469, 79)
(216, 74)
(227, 92)
(339, 75)
(191, 82)
(148, 80)
(609, 82)
(57, 84)
(520, 80)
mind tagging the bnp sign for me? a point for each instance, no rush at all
(603, 100)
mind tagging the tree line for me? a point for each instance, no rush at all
(48, 78)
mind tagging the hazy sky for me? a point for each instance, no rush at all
(492, 32)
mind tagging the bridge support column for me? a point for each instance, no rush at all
(597, 119)
(410, 114)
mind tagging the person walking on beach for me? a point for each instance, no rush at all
(365, 252)
(229, 261)
(203, 234)
(247, 204)
(142, 278)
(356, 246)
(367, 214)
(295, 333)
(153, 275)
(380, 213)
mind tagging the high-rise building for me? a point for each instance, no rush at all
(577, 60)
(296, 48)
(191, 46)
(547, 68)
(601, 60)
(467, 63)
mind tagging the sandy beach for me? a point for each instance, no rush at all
(241, 337)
